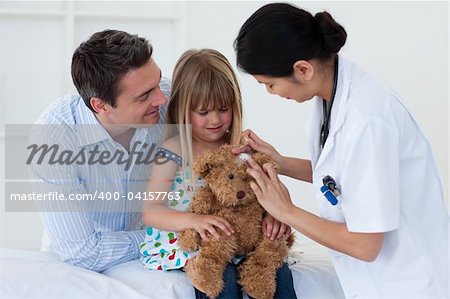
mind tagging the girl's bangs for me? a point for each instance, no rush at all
(212, 91)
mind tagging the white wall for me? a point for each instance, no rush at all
(404, 43)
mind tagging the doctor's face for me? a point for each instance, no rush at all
(286, 87)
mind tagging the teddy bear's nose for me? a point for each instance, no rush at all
(240, 194)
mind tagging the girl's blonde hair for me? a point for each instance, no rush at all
(202, 79)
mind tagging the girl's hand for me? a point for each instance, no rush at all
(256, 143)
(207, 225)
(273, 228)
(271, 193)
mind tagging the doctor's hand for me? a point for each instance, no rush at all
(273, 228)
(271, 193)
(253, 142)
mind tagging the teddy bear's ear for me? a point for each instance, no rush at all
(262, 159)
(204, 164)
(203, 170)
(209, 160)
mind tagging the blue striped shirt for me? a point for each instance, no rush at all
(109, 234)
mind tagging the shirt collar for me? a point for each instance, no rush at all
(90, 130)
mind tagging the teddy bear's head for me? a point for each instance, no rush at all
(226, 177)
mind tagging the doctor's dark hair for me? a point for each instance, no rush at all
(279, 34)
(99, 63)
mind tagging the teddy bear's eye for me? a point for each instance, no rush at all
(231, 176)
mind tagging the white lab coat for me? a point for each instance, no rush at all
(389, 183)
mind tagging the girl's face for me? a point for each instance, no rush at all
(210, 125)
(288, 88)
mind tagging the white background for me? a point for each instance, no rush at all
(405, 44)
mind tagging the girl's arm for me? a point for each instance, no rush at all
(299, 169)
(274, 197)
(156, 213)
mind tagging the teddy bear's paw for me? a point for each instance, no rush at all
(258, 291)
(212, 288)
(189, 240)
(205, 276)
(257, 282)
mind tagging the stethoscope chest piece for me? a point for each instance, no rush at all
(330, 190)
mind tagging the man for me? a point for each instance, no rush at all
(121, 95)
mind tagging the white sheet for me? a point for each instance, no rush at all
(33, 274)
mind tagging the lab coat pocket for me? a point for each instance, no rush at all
(329, 211)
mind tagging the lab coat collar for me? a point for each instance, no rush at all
(337, 115)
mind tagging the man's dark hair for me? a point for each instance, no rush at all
(99, 63)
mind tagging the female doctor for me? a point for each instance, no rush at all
(379, 194)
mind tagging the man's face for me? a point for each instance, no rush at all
(139, 97)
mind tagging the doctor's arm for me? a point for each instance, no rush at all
(275, 198)
(296, 168)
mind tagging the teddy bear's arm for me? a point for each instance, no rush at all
(204, 202)
(189, 240)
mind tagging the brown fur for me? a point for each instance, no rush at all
(257, 274)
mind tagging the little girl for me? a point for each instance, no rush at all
(205, 105)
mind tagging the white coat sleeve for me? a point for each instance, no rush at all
(370, 178)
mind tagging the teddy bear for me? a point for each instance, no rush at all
(226, 193)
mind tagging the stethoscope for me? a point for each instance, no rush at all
(325, 129)
(329, 189)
